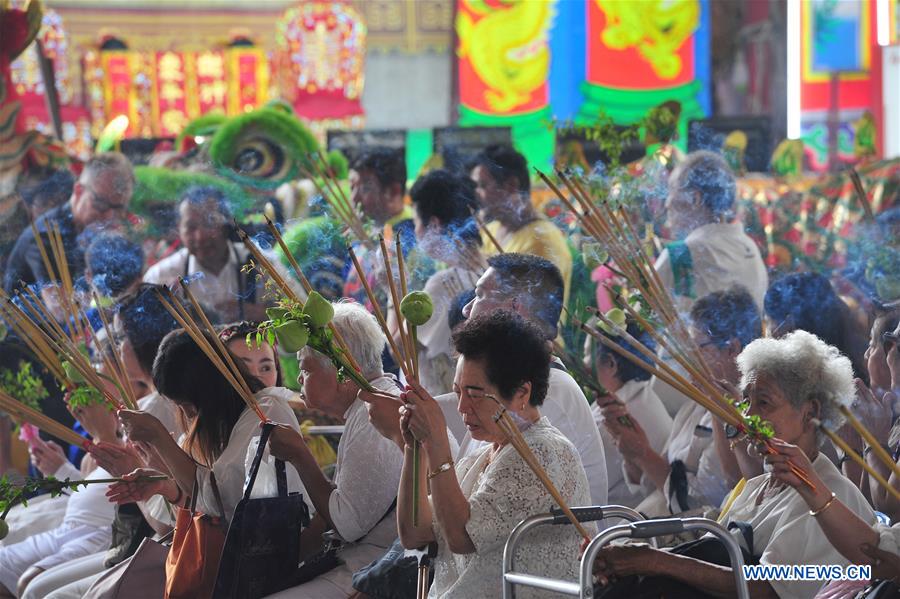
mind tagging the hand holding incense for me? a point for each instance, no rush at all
(512, 432)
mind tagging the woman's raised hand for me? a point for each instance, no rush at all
(424, 419)
(116, 459)
(285, 443)
(782, 470)
(141, 426)
(135, 486)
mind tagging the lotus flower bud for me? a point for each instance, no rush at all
(319, 310)
(417, 308)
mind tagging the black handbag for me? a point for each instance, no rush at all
(394, 575)
(706, 549)
(262, 548)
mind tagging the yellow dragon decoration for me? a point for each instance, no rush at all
(656, 28)
(507, 47)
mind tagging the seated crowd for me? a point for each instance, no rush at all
(420, 470)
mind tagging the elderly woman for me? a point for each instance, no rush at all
(789, 382)
(472, 508)
(855, 538)
(357, 502)
(688, 474)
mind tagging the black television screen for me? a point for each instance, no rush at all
(460, 145)
(352, 142)
(709, 134)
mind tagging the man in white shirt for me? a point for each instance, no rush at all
(227, 285)
(533, 287)
(712, 251)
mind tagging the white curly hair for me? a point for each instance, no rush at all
(805, 368)
(363, 336)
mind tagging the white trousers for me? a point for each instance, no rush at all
(43, 513)
(65, 580)
(47, 549)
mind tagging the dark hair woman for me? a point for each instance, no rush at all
(504, 361)
(221, 435)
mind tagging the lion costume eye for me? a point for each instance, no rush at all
(260, 158)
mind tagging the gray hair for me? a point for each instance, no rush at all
(806, 369)
(707, 174)
(107, 161)
(363, 335)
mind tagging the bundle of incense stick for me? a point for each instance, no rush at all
(408, 342)
(320, 173)
(841, 444)
(723, 410)
(24, 413)
(517, 440)
(207, 339)
(872, 442)
(79, 328)
(34, 341)
(405, 354)
(51, 346)
(114, 366)
(612, 227)
(472, 258)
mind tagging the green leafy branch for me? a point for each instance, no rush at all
(24, 385)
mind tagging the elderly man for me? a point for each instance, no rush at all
(359, 500)
(532, 287)
(226, 284)
(712, 252)
(99, 198)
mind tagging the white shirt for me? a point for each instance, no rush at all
(366, 477)
(691, 442)
(437, 362)
(217, 290)
(722, 255)
(501, 492)
(568, 410)
(646, 408)
(785, 533)
(231, 468)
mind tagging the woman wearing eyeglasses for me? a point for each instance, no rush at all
(474, 505)
(695, 470)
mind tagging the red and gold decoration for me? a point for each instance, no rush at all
(837, 76)
(320, 59)
(160, 92)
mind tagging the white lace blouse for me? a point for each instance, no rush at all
(501, 493)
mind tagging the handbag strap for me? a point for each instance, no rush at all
(280, 471)
(192, 503)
